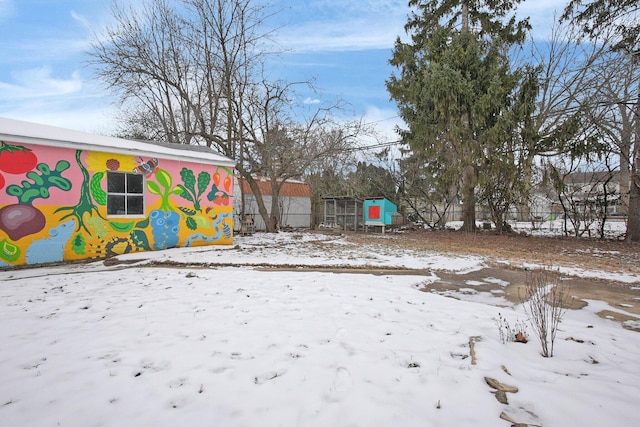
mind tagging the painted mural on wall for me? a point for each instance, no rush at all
(60, 204)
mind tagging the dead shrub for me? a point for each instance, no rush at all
(545, 303)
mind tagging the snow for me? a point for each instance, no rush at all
(235, 344)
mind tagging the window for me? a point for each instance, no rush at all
(125, 194)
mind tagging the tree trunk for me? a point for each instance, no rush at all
(633, 221)
(625, 173)
(633, 217)
(468, 199)
(275, 208)
(262, 210)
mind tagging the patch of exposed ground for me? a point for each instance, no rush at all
(508, 255)
(591, 254)
(493, 280)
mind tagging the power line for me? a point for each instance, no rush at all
(379, 145)
(382, 120)
(571, 109)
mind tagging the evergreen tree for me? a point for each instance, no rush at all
(596, 15)
(455, 85)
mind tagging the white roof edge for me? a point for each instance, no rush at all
(36, 133)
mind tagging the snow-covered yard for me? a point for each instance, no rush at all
(139, 345)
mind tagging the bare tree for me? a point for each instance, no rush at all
(613, 115)
(585, 192)
(179, 67)
(618, 20)
(566, 85)
(428, 194)
(191, 72)
(283, 143)
(618, 15)
(583, 119)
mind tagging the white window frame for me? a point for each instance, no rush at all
(126, 195)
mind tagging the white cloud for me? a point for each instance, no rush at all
(381, 125)
(384, 122)
(85, 117)
(346, 25)
(81, 20)
(338, 25)
(51, 50)
(323, 38)
(36, 95)
(360, 6)
(39, 82)
(309, 101)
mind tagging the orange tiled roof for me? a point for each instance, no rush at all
(289, 188)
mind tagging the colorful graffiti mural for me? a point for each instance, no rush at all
(87, 204)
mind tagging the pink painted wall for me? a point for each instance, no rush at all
(53, 205)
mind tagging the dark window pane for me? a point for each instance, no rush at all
(135, 205)
(134, 184)
(115, 205)
(125, 194)
(115, 182)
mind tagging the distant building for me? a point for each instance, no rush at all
(592, 187)
(582, 191)
(294, 202)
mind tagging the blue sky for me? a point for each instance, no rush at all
(344, 45)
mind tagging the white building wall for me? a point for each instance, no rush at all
(295, 211)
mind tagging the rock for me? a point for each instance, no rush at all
(500, 386)
(521, 338)
(472, 348)
(472, 352)
(513, 422)
(507, 418)
(501, 396)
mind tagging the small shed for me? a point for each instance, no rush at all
(379, 211)
(68, 195)
(342, 212)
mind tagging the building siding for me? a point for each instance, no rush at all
(53, 203)
(295, 204)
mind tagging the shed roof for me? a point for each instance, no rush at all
(290, 188)
(348, 198)
(34, 133)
